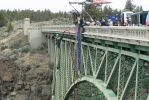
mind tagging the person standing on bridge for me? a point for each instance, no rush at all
(78, 20)
(82, 24)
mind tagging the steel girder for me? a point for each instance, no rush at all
(109, 94)
(121, 71)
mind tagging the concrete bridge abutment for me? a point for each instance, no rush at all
(36, 38)
(34, 33)
(26, 26)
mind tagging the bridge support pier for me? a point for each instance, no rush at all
(36, 38)
(51, 49)
(49, 45)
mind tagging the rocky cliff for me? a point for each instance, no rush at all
(24, 74)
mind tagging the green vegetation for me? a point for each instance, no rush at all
(7, 16)
(97, 11)
(2, 20)
(9, 27)
(131, 7)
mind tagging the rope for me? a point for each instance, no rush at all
(79, 47)
(75, 97)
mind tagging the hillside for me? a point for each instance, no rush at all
(24, 74)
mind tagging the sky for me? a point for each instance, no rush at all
(61, 5)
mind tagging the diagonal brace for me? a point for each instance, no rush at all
(85, 70)
(128, 81)
(91, 61)
(113, 69)
(104, 56)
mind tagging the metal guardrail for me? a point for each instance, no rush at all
(140, 33)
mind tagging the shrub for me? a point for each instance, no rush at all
(9, 27)
(15, 45)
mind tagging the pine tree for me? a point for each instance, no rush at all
(138, 9)
(129, 6)
(92, 10)
(9, 27)
(2, 20)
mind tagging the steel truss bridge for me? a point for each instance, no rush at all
(114, 63)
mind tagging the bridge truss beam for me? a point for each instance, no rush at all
(120, 70)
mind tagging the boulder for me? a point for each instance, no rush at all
(13, 93)
(13, 57)
(21, 97)
(27, 87)
(34, 97)
(19, 85)
(46, 90)
(8, 77)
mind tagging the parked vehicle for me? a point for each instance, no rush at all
(140, 18)
(126, 18)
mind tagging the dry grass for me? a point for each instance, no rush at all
(34, 58)
(16, 38)
(7, 70)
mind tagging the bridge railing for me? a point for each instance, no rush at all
(58, 28)
(135, 33)
(141, 33)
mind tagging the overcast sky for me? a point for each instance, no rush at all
(60, 5)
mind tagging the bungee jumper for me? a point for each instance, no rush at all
(59, 38)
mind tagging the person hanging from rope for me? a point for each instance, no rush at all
(59, 39)
(58, 45)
